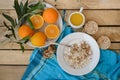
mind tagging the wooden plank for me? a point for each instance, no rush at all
(112, 32)
(10, 57)
(115, 46)
(11, 72)
(15, 46)
(12, 46)
(14, 57)
(102, 17)
(87, 4)
(71, 4)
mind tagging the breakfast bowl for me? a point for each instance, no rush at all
(83, 55)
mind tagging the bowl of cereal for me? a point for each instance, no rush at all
(83, 55)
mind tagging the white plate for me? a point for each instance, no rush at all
(81, 37)
(58, 23)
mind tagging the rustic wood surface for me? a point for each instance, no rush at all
(105, 12)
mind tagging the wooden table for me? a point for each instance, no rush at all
(105, 12)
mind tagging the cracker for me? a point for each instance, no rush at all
(91, 27)
(104, 42)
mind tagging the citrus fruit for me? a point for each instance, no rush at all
(24, 31)
(52, 31)
(50, 15)
(37, 21)
(38, 39)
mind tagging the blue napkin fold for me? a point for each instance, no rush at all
(40, 68)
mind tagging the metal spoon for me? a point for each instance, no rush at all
(62, 44)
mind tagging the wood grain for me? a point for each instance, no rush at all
(102, 17)
(112, 32)
(11, 72)
(15, 46)
(71, 4)
(115, 46)
(14, 57)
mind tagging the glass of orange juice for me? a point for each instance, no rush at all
(76, 19)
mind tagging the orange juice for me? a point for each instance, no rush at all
(76, 19)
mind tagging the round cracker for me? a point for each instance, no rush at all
(104, 42)
(91, 27)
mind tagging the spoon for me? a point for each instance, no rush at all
(62, 44)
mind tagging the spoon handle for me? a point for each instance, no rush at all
(60, 44)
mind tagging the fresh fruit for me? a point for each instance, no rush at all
(52, 31)
(50, 15)
(37, 21)
(24, 31)
(38, 39)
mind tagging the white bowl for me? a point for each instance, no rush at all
(81, 37)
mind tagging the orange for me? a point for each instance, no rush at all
(24, 31)
(52, 31)
(50, 15)
(38, 39)
(37, 21)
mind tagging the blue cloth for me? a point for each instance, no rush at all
(40, 68)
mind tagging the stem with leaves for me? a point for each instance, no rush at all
(23, 11)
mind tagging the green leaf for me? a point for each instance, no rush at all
(30, 23)
(37, 11)
(25, 39)
(25, 7)
(17, 9)
(6, 25)
(36, 6)
(9, 18)
(21, 6)
(13, 32)
(22, 47)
